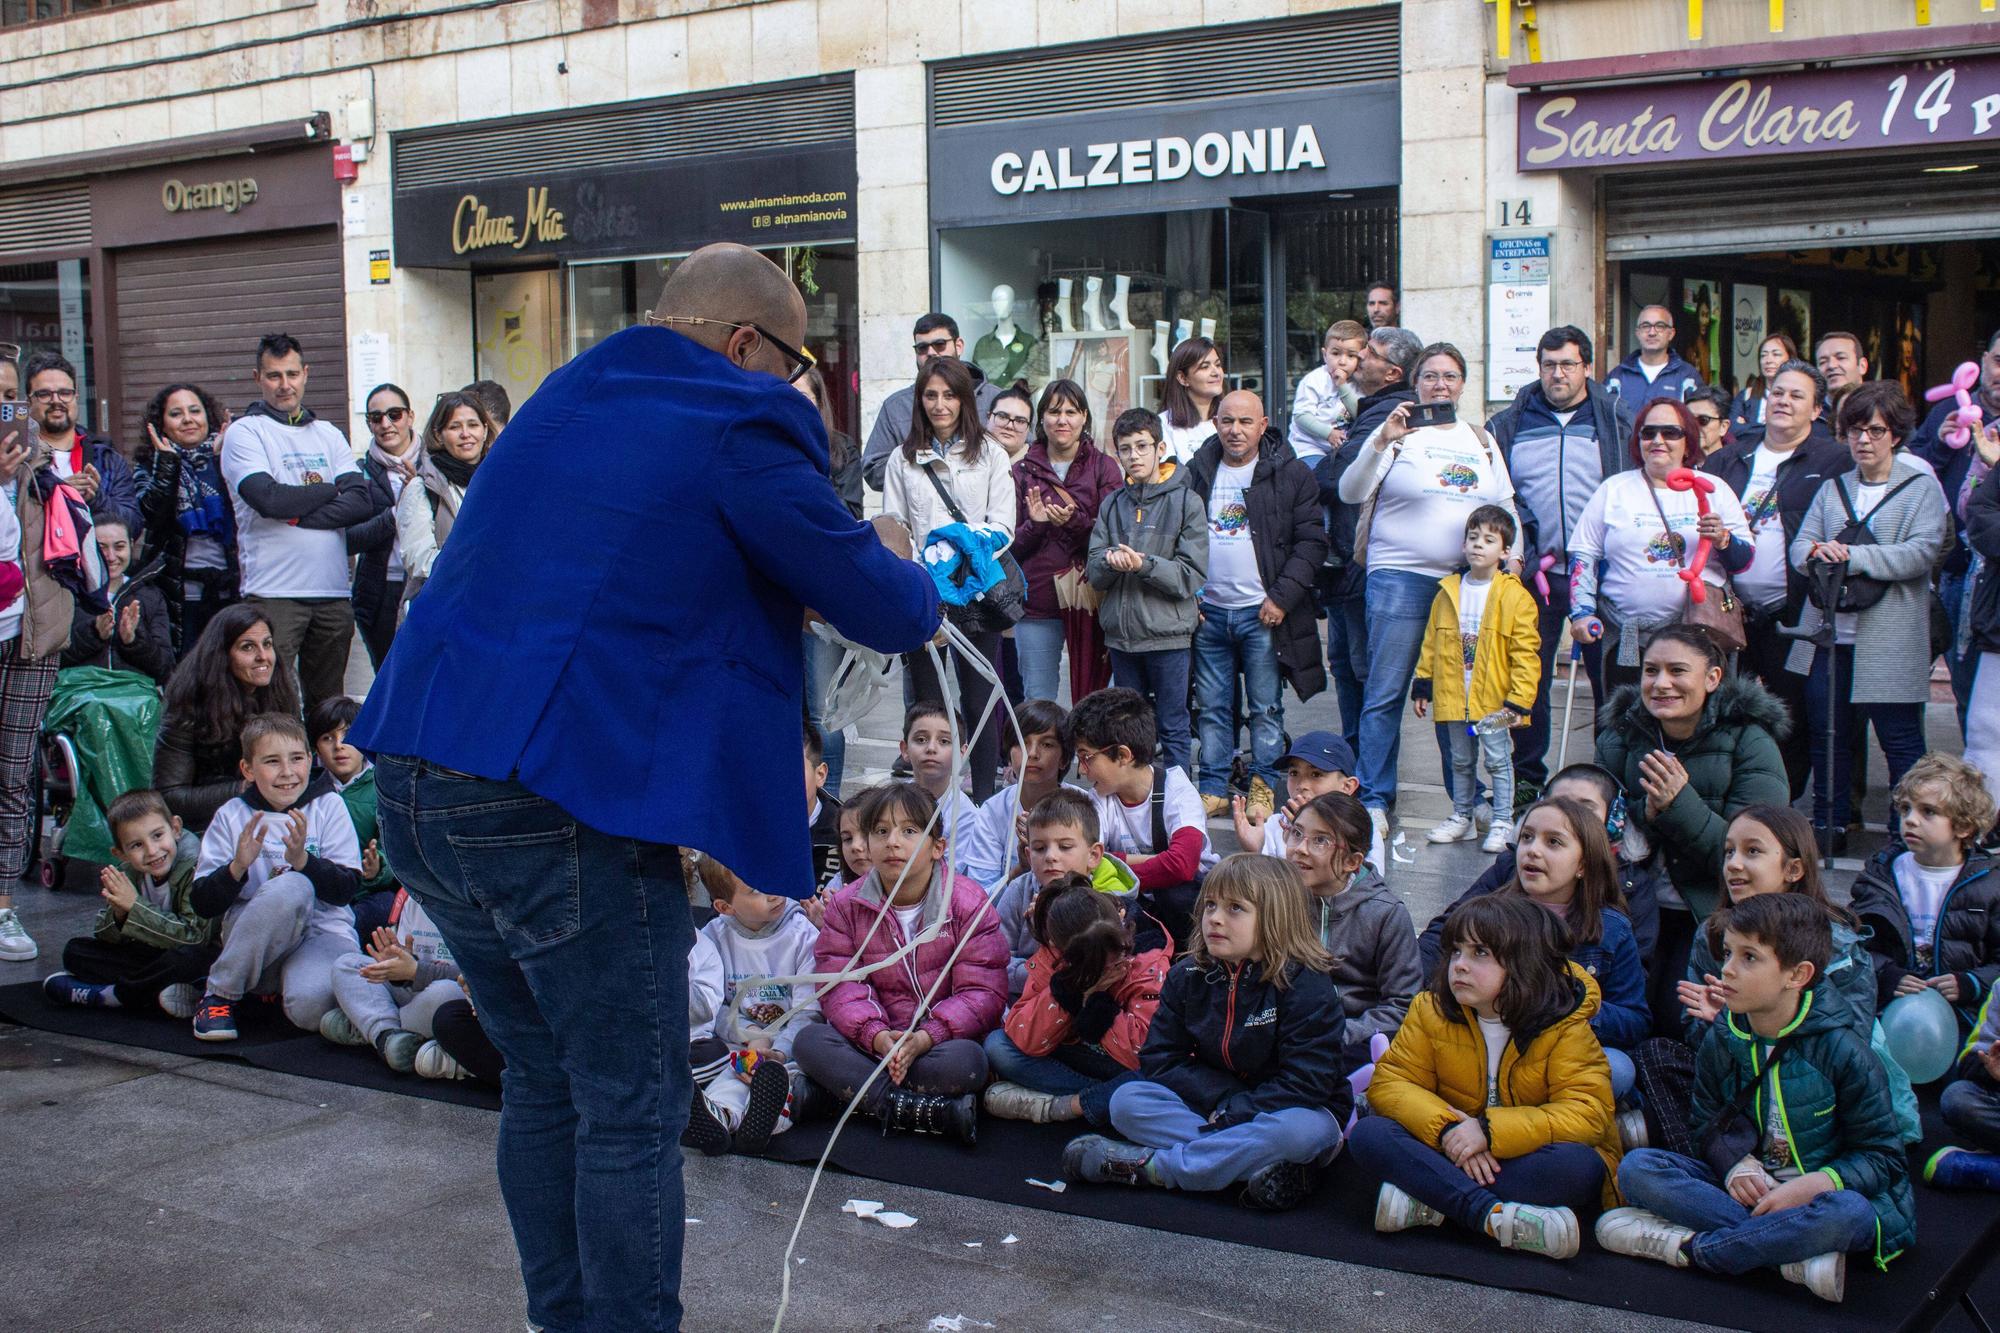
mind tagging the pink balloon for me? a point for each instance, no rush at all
(1687, 479)
(1966, 421)
(1542, 576)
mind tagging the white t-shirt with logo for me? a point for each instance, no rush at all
(1471, 610)
(1233, 580)
(1639, 580)
(1762, 585)
(1922, 889)
(280, 559)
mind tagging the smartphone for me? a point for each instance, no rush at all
(1433, 414)
(13, 411)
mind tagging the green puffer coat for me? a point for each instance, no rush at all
(1834, 1101)
(1732, 761)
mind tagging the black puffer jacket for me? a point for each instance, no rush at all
(1982, 534)
(195, 776)
(1818, 459)
(1966, 943)
(372, 540)
(1225, 1039)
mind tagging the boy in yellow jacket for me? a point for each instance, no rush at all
(1478, 673)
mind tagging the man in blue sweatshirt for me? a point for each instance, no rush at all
(1656, 370)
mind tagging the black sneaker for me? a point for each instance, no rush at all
(926, 1113)
(62, 988)
(812, 1102)
(215, 1020)
(901, 770)
(704, 1133)
(770, 1090)
(1101, 1160)
(1279, 1187)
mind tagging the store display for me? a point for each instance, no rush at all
(1002, 354)
(1121, 301)
(1183, 331)
(1208, 329)
(1063, 291)
(1093, 303)
(1160, 345)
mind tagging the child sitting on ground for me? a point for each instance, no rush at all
(935, 1061)
(742, 1060)
(1801, 1159)
(1932, 913)
(388, 997)
(1148, 557)
(1564, 863)
(1063, 839)
(1361, 923)
(148, 945)
(1493, 1104)
(1480, 667)
(854, 859)
(1073, 1038)
(822, 814)
(927, 749)
(1971, 1109)
(1241, 1078)
(996, 844)
(1150, 813)
(354, 778)
(279, 864)
(1318, 762)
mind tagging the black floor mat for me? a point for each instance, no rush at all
(1337, 1223)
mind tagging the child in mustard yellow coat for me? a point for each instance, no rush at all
(1493, 1104)
(1477, 675)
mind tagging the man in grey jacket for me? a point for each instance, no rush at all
(1148, 556)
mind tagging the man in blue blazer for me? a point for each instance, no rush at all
(603, 667)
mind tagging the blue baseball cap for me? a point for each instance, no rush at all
(1324, 751)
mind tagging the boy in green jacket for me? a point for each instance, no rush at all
(148, 945)
(354, 778)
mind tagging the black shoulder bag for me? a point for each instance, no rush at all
(1734, 1133)
(1000, 606)
(1857, 592)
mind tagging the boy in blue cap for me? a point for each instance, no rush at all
(1318, 762)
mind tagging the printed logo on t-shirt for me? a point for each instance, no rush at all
(1468, 646)
(1760, 505)
(1664, 547)
(1230, 519)
(1458, 477)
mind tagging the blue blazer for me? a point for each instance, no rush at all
(615, 619)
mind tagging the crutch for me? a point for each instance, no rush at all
(1569, 702)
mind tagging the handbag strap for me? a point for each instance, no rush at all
(1666, 528)
(1741, 1101)
(1840, 489)
(944, 494)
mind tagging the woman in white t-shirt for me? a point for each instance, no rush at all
(1637, 534)
(1417, 485)
(1195, 381)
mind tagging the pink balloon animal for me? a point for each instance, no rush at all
(1687, 479)
(1965, 424)
(1542, 576)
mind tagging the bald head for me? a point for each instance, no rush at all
(736, 285)
(1240, 422)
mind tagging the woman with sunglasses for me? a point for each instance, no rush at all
(189, 519)
(390, 462)
(1637, 534)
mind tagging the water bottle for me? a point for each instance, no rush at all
(1494, 723)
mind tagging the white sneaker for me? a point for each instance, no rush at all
(1011, 1101)
(1380, 819)
(432, 1062)
(15, 944)
(1644, 1235)
(1456, 829)
(1482, 814)
(1499, 837)
(1824, 1275)
(1632, 1130)
(180, 1000)
(1534, 1229)
(1397, 1211)
(339, 1029)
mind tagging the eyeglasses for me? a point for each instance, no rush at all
(1872, 434)
(1705, 419)
(1317, 843)
(935, 347)
(53, 395)
(1007, 419)
(1662, 433)
(392, 415)
(1440, 377)
(1563, 367)
(1655, 326)
(801, 361)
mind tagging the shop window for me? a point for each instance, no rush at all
(517, 329)
(15, 13)
(46, 308)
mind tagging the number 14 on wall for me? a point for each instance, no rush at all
(1514, 213)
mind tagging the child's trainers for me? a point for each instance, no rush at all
(1279, 1187)
(62, 988)
(432, 1062)
(1632, 1129)
(215, 1020)
(1963, 1169)
(180, 1000)
(1262, 801)
(770, 1091)
(1459, 828)
(1011, 1101)
(1500, 837)
(1534, 1229)
(1643, 1235)
(1824, 1275)
(16, 946)
(1107, 1161)
(398, 1048)
(339, 1029)
(1397, 1211)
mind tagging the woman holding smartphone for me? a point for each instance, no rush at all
(1417, 479)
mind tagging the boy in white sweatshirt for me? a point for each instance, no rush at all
(387, 996)
(740, 1052)
(279, 865)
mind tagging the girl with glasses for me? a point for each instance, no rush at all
(390, 461)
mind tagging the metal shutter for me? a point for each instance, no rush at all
(45, 217)
(195, 312)
(1842, 199)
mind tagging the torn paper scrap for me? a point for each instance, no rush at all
(896, 1221)
(973, 1244)
(1010, 1239)
(861, 1207)
(1052, 1186)
(954, 1323)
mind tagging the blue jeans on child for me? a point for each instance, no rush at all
(1084, 1072)
(1566, 1175)
(1162, 677)
(1727, 1238)
(539, 911)
(1230, 640)
(1623, 1073)
(1039, 645)
(1972, 1112)
(1466, 751)
(1187, 1159)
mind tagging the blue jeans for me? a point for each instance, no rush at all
(1039, 645)
(1074, 1070)
(1162, 677)
(1559, 1175)
(1226, 642)
(1399, 611)
(1187, 1159)
(575, 945)
(1727, 1238)
(1899, 728)
(822, 659)
(1347, 658)
(1953, 590)
(1466, 750)
(1624, 1074)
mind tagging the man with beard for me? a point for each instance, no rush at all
(93, 467)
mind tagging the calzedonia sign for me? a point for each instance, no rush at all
(1712, 119)
(1166, 157)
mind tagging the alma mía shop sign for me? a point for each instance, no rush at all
(802, 196)
(1939, 102)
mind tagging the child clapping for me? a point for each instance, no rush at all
(387, 997)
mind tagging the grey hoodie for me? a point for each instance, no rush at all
(1375, 962)
(1154, 608)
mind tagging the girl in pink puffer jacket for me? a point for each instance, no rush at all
(933, 1076)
